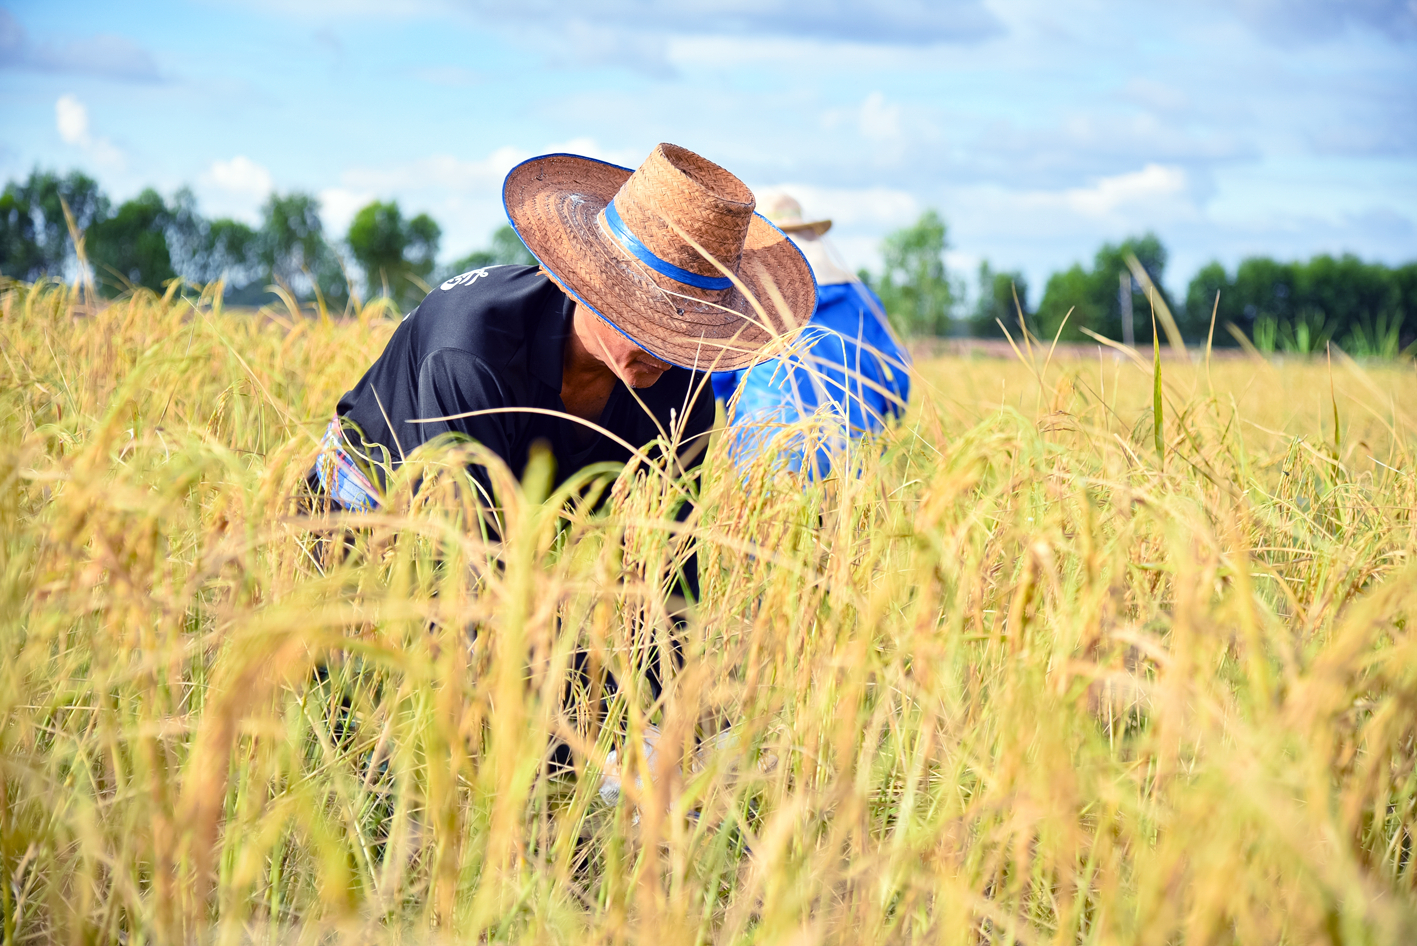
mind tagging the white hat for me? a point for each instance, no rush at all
(786, 214)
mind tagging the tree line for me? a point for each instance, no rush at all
(1366, 308)
(148, 241)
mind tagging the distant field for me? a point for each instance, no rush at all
(1040, 673)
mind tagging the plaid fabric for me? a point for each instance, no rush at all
(340, 477)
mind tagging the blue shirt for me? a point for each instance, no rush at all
(846, 366)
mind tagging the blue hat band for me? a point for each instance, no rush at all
(645, 255)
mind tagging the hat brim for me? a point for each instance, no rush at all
(554, 202)
(819, 227)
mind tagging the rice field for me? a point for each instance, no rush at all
(1041, 671)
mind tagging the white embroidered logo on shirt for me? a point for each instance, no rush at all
(465, 279)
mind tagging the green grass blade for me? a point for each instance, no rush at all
(1157, 419)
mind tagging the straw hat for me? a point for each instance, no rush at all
(623, 244)
(786, 213)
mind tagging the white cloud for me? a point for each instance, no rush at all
(234, 188)
(439, 170)
(876, 133)
(72, 120)
(1157, 196)
(1320, 20)
(241, 176)
(106, 55)
(1153, 182)
(878, 119)
(338, 205)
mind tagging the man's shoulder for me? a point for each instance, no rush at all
(493, 288)
(506, 277)
(491, 311)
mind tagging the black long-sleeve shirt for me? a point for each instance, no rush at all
(495, 338)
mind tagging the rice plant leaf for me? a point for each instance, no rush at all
(1157, 419)
(1333, 402)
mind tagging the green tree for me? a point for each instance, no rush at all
(202, 251)
(1264, 287)
(396, 255)
(292, 244)
(1209, 281)
(21, 256)
(34, 236)
(186, 233)
(292, 249)
(507, 248)
(230, 250)
(914, 286)
(1094, 296)
(1368, 308)
(1344, 292)
(1405, 280)
(1079, 292)
(130, 248)
(997, 303)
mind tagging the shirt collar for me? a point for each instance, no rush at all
(546, 349)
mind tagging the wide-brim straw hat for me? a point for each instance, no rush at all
(786, 214)
(672, 255)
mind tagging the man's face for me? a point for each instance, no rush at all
(631, 363)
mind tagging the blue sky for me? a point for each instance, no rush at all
(1038, 129)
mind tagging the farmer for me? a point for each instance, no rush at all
(642, 289)
(846, 367)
